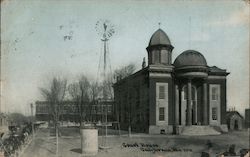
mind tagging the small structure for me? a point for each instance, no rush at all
(89, 140)
(247, 118)
(234, 120)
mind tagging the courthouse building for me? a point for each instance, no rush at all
(165, 94)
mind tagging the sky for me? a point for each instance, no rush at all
(33, 48)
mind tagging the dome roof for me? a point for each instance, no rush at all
(190, 58)
(159, 38)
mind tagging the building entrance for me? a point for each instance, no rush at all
(184, 113)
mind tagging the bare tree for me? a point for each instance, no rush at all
(124, 71)
(84, 99)
(74, 92)
(55, 95)
(94, 91)
(79, 91)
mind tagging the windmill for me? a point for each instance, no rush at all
(105, 29)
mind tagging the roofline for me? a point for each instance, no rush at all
(231, 112)
(132, 75)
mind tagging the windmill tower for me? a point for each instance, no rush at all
(105, 29)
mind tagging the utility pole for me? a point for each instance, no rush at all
(32, 121)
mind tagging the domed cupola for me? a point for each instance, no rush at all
(159, 38)
(190, 63)
(160, 49)
(190, 58)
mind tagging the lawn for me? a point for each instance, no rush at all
(138, 144)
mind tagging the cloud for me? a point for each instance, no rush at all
(237, 18)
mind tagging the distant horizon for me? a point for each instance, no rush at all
(34, 48)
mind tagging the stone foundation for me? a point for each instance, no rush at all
(154, 129)
(199, 130)
(188, 130)
(221, 128)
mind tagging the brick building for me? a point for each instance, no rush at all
(70, 111)
(163, 94)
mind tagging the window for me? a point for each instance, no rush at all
(215, 93)
(164, 57)
(161, 114)
(109, 109)
(162, 131)
(156, 56)
(161, 92)
(214, 113)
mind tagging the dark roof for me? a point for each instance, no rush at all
(190, 58)
(229, 114)
(214, 70)
(139, 72)
(159, 38)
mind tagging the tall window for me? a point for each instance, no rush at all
(214, 113)
(156, 56)
(164, 57)
(215, 93)
(161, 113)
(161, 92)
(109, 108)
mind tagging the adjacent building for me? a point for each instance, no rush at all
(235, 121)
(165, 94)
(70, 111)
